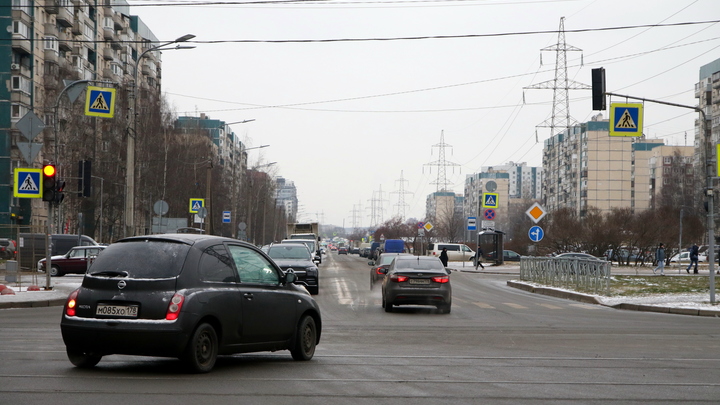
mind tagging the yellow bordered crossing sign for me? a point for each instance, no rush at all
(100, 102)
(196, 204)
(490, 200)
(28, 183)
(626, 119)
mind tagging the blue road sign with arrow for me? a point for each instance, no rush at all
(536, 233)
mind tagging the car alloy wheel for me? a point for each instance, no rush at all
(304, 348)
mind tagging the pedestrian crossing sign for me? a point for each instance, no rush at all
(196, 204)
(100, 102)
(28, 183)
(626, 119)
(490, 200)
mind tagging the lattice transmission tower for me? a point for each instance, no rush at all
(376, 207)
(557, 190)
(442, 164)
(401, 205)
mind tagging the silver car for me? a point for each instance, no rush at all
(416, 280)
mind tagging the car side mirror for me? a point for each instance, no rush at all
(371, 263)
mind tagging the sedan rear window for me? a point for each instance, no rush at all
(142, 259)
(280, 252)
(419, 264)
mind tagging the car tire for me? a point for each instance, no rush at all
(313, 290)
(305, 339)
(388, 306)
(55, 271)
(81, 359)
(202, 349)
(444, 309)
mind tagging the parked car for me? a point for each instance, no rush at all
(457, 252)
(383, 262)
(416, 280)
(578, 255)
(75, 261)
(508, 256)
(189, 296)
(685, 258)
(7, 249)
(296, 256)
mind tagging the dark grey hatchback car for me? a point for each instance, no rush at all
(188, 296)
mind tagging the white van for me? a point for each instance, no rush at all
(457, 252)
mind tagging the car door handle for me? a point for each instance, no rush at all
(248, 296)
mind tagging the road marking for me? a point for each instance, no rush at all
(550, 306)
(514, 305)
(586, 306)
(484, 305)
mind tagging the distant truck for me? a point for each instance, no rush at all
(305, 231)
(394, 246)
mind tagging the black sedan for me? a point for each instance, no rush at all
(297, 257)
(189, 296)
(376, 266)
(416, 280)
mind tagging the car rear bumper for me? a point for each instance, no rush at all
(418, 296)
(109, 336)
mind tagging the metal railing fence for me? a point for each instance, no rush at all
(586, 275)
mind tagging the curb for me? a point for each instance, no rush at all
(591, 299)
(55, 302)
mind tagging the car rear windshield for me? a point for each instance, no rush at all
(142, 259)
(280, 252)
(418, 264)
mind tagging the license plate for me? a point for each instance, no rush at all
(129, 311)
(419, 281)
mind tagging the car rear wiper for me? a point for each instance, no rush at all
(110, 273)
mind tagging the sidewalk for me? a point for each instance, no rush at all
(683, 304)
(22, 298)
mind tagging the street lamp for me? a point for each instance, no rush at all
(132, 133)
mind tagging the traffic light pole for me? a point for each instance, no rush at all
(709, 189)
(48, 249)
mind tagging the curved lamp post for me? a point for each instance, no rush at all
(132, 133)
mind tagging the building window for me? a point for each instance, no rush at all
(22, 5)
(20, 83)
(667, 160)
(52, 44)
(20, 28)
(88, 31)
(18, 111)
(108, 23)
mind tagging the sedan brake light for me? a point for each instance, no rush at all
(71, 303)
(398, 278)
(441, 279)
(377, 270)
(175, 306)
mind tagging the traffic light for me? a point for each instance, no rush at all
(59, 194)
(49, 182)
(598, 89)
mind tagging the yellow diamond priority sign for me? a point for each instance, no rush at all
(536, 212)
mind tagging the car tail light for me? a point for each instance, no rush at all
(175, 306)
(441, 279)
(398, 278)
(71, 303)
(377, 270)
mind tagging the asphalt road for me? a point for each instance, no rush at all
(499, 345)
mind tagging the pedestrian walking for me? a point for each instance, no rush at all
(444, 257)
(694, 253)
(478, 257)
(660, 257)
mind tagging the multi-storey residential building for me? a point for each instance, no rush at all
(707, 91)
(599, 171)
(287, 197)
(43, 43)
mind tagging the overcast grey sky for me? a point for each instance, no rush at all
(345, 118)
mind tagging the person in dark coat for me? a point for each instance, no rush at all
(478, 258)
(444, 257)
(694, 253)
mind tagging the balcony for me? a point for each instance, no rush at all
(50, 81)
(78, 27)
(51, 30)
(21, 45)
(64, 17)
(118, 22)
(64, 41)
(108, 53)
(20, 97)
(109, 75)
(109, 34)
(51, 6)
(51, 55)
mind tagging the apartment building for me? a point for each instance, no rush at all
(44, 45)
(286, 194)
(490, 180)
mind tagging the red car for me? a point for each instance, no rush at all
(75, 261)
